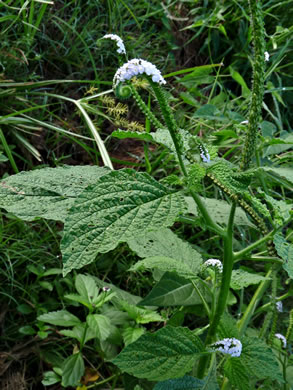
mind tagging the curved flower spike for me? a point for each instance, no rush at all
(213, 263)
(120, 44)
(282, 338)
(136, 67)
(229, 346)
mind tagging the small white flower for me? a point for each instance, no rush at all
(214, 263)
(244, 122)
(267, 56)
(279, 306)
(106, 289)
(120, 44)
(204, 155)
(135, 67)
(282, 338)
(229, 346)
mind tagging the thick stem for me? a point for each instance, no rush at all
(224, 290)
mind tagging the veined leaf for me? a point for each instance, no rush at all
(132, 334)
(122, 134)
(285, 173)
(120, 205)
(100, 325)
(121, 294)
(73, 370)
(168, 353)
(86, 287)
(219, 210)
(140, 315)
(59, 318)
(285, 251)
(48, 192)
(241, 279)
(173, 290)
(78, 333)
(190, 383)
(165, 243)
(257, 361)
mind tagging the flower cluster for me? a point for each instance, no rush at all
(213, 263)
(229, 346)
(267, 56)
(120, 44)
(136, 67)
(282, 338)
(204, 154)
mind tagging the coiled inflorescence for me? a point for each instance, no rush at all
(214, 263)
(120, 44)
(229, 346)
(136, 67)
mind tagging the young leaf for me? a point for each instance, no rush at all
(86, 287)
(59, 318)
(100, 325)
(48, 192)
(139, 315)
(78, 333)
(165, 243)
(173, 290)
(241, 279)
(50, 378)
(73, 370)
(121, 204)
(168, 353)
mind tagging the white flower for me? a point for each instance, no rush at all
(213, 263)
(267, 56)
(106, 289)
(279, 306)
(244, 122)
(229, 346)
(135, 67)
(282, 338)
(120, 44)
(204, 155)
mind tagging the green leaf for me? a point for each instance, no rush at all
(86, 287)
(165, 264)
(78, 333)
(208, 111)
(73, 370)
(219, 210)
(165, 243)
(122, 134)
(100, 325)
(132, 334)
(168, 353)
(285, 251)
(241, 279)
(48, 192)
(120, 205)
(190, 383)
(280, 172)
(59, 318)
(173, 290)
(50, 378)
(121, 294)
(257, 361)
(240, 80)
(139, 315)
(268, 129)
(27, 330)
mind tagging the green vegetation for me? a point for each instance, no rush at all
(146, 225)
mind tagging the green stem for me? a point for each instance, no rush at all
(224, 289)
(248, 249)
(269, 259)
(204, 302)
(242, 325)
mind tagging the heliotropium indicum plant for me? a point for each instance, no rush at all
(236, 344)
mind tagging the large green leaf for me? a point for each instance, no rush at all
(167, 244)
(168, 353)
(241, 279)
(60, 318)
(281, 172)
(48, 192)
(173, 290)
(257, 361)
(189, 383)
(219, 210)
(120, 205)
(73, 370)
(100, 325)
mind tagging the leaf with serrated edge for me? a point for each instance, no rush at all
(165, 243)
(173, 290)
(121, 204)
(241, 279)
(168, 353)
(47, 192)
(190, 383)
(59, 318)
(100, 325)
(73, 369)
(86, 287)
